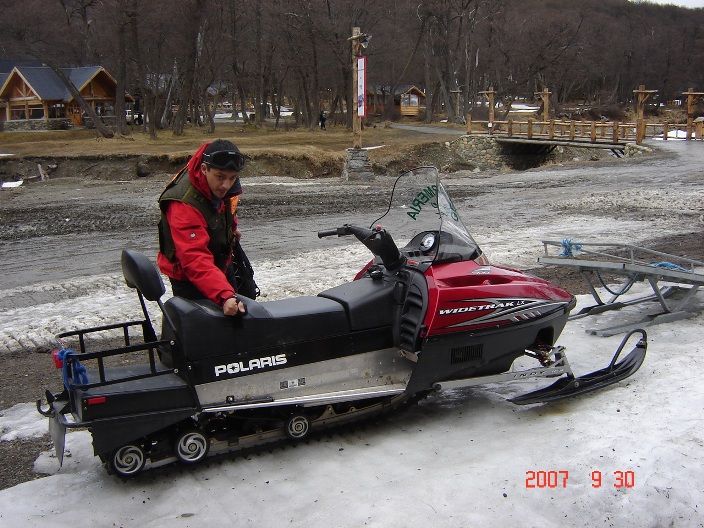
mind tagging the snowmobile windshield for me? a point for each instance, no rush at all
(422, 216)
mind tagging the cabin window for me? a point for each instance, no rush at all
(409, 100)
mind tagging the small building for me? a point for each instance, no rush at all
(409, 100)
(32, 92)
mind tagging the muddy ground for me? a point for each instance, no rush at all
(47, 221)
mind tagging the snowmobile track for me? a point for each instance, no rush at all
(170, 466)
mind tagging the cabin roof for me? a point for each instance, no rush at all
(379, 89)
(47, 84)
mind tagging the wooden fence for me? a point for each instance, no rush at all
(592, 131)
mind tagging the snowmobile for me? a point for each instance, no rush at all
(432, 315)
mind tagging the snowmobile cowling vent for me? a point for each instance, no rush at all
(466, 354)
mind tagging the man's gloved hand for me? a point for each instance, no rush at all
(233, 306)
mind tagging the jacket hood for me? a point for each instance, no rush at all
(197, 176)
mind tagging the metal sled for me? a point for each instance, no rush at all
(636, 264)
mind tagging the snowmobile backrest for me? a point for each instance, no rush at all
(142, 274)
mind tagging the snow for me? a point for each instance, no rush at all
(462, 457)
(672, 134)
(520, 107)
(20, 422)
(691, 4)
(12, 184)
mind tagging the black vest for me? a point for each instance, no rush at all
(219, 225)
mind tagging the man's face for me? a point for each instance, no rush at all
(219, 180)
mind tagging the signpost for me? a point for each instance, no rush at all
(357, 165)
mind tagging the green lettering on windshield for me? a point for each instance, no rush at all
(421, 199)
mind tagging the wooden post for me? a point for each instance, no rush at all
(530, 129)
(490, 95)
(551, 129)
(510, 128)
(545, 96)
(643, 96)
(592, 135)
(572, 130)
(457, 93)
(614, 132)
(469, 123)
(692, 99)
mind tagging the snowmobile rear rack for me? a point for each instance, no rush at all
(635, 263)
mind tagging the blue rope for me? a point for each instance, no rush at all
(670, 266)
(567, 247)
(79, 371)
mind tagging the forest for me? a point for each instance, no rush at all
(261, 54)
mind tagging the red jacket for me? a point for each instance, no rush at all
(193, 261)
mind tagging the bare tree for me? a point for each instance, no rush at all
(261, 53)
(194, 12)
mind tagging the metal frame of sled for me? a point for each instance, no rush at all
(628, 260)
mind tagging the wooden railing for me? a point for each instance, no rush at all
(592, 131)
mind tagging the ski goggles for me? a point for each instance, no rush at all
(225, 159)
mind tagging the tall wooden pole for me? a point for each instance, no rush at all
(643, 96)
(692, 99)
(356, 122)
(545, 96)
(490, 95)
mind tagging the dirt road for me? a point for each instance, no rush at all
(73, 227)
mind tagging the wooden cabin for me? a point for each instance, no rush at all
(37, 93)
(408, 100)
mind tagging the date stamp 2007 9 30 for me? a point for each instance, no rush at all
(558, 479)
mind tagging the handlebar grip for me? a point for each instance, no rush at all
(329, 232)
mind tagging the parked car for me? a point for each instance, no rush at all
(133, 118)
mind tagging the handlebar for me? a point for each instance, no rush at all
(377, 240)
(328, 233)
(345, 230)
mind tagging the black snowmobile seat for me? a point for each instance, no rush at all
(203, 331)
(369, 303)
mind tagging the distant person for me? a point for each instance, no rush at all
(323, 119)
(199, 227)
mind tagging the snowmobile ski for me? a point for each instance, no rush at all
(570, 386)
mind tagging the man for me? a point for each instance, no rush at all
(198, 225)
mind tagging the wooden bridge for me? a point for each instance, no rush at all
(599, 134)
